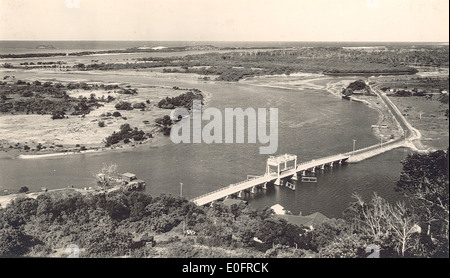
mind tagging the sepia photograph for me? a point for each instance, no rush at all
(224, 136)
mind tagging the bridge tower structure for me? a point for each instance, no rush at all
(281, 163)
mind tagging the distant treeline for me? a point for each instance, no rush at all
(233, 66)
(84, 53)
(236, 65)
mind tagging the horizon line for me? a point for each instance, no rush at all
(132, 40)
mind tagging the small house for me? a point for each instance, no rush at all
(308, 221)
(128, 177)
(135, 184)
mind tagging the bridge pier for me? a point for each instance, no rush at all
(277, 181)
(294, 177)
(264, 185)
(322, 167)
(240, 194)
(331, 164)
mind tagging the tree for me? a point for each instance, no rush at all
(392, 227)
(347, 246)
(425, 182)
(124, 106)
(23, 189)
(370, 218)
(107, 176)
(323, 234)
(139, 105)
(125, 128)
(14, 242)
(403, 226)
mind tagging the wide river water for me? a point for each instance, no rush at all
(312, 123)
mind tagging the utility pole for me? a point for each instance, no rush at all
(181, 189)
(353, 152)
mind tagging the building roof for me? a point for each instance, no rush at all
(278, 209)
(128, 175)
(307, 220)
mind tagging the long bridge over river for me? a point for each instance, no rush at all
(282, 169)
(287, 168)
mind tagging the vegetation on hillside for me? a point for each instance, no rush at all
(107, 225)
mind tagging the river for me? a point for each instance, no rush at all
(312, 123)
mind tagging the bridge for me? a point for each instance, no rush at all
(286, 169)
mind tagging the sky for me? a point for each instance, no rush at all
(226, 20)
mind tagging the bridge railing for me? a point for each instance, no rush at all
(209, 193)
(340, 156)
(225, 188)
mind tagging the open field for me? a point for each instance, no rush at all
(428, 116)
(427, 112)
(78, 131)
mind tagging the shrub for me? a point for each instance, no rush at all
(139, 105)
(58, 115)
(101, 124)
(124, 106)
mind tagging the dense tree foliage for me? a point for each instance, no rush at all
(425, 181)
(357, 85)
(52, 98)
(125, 134)
(165, 123)
(183, 100)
